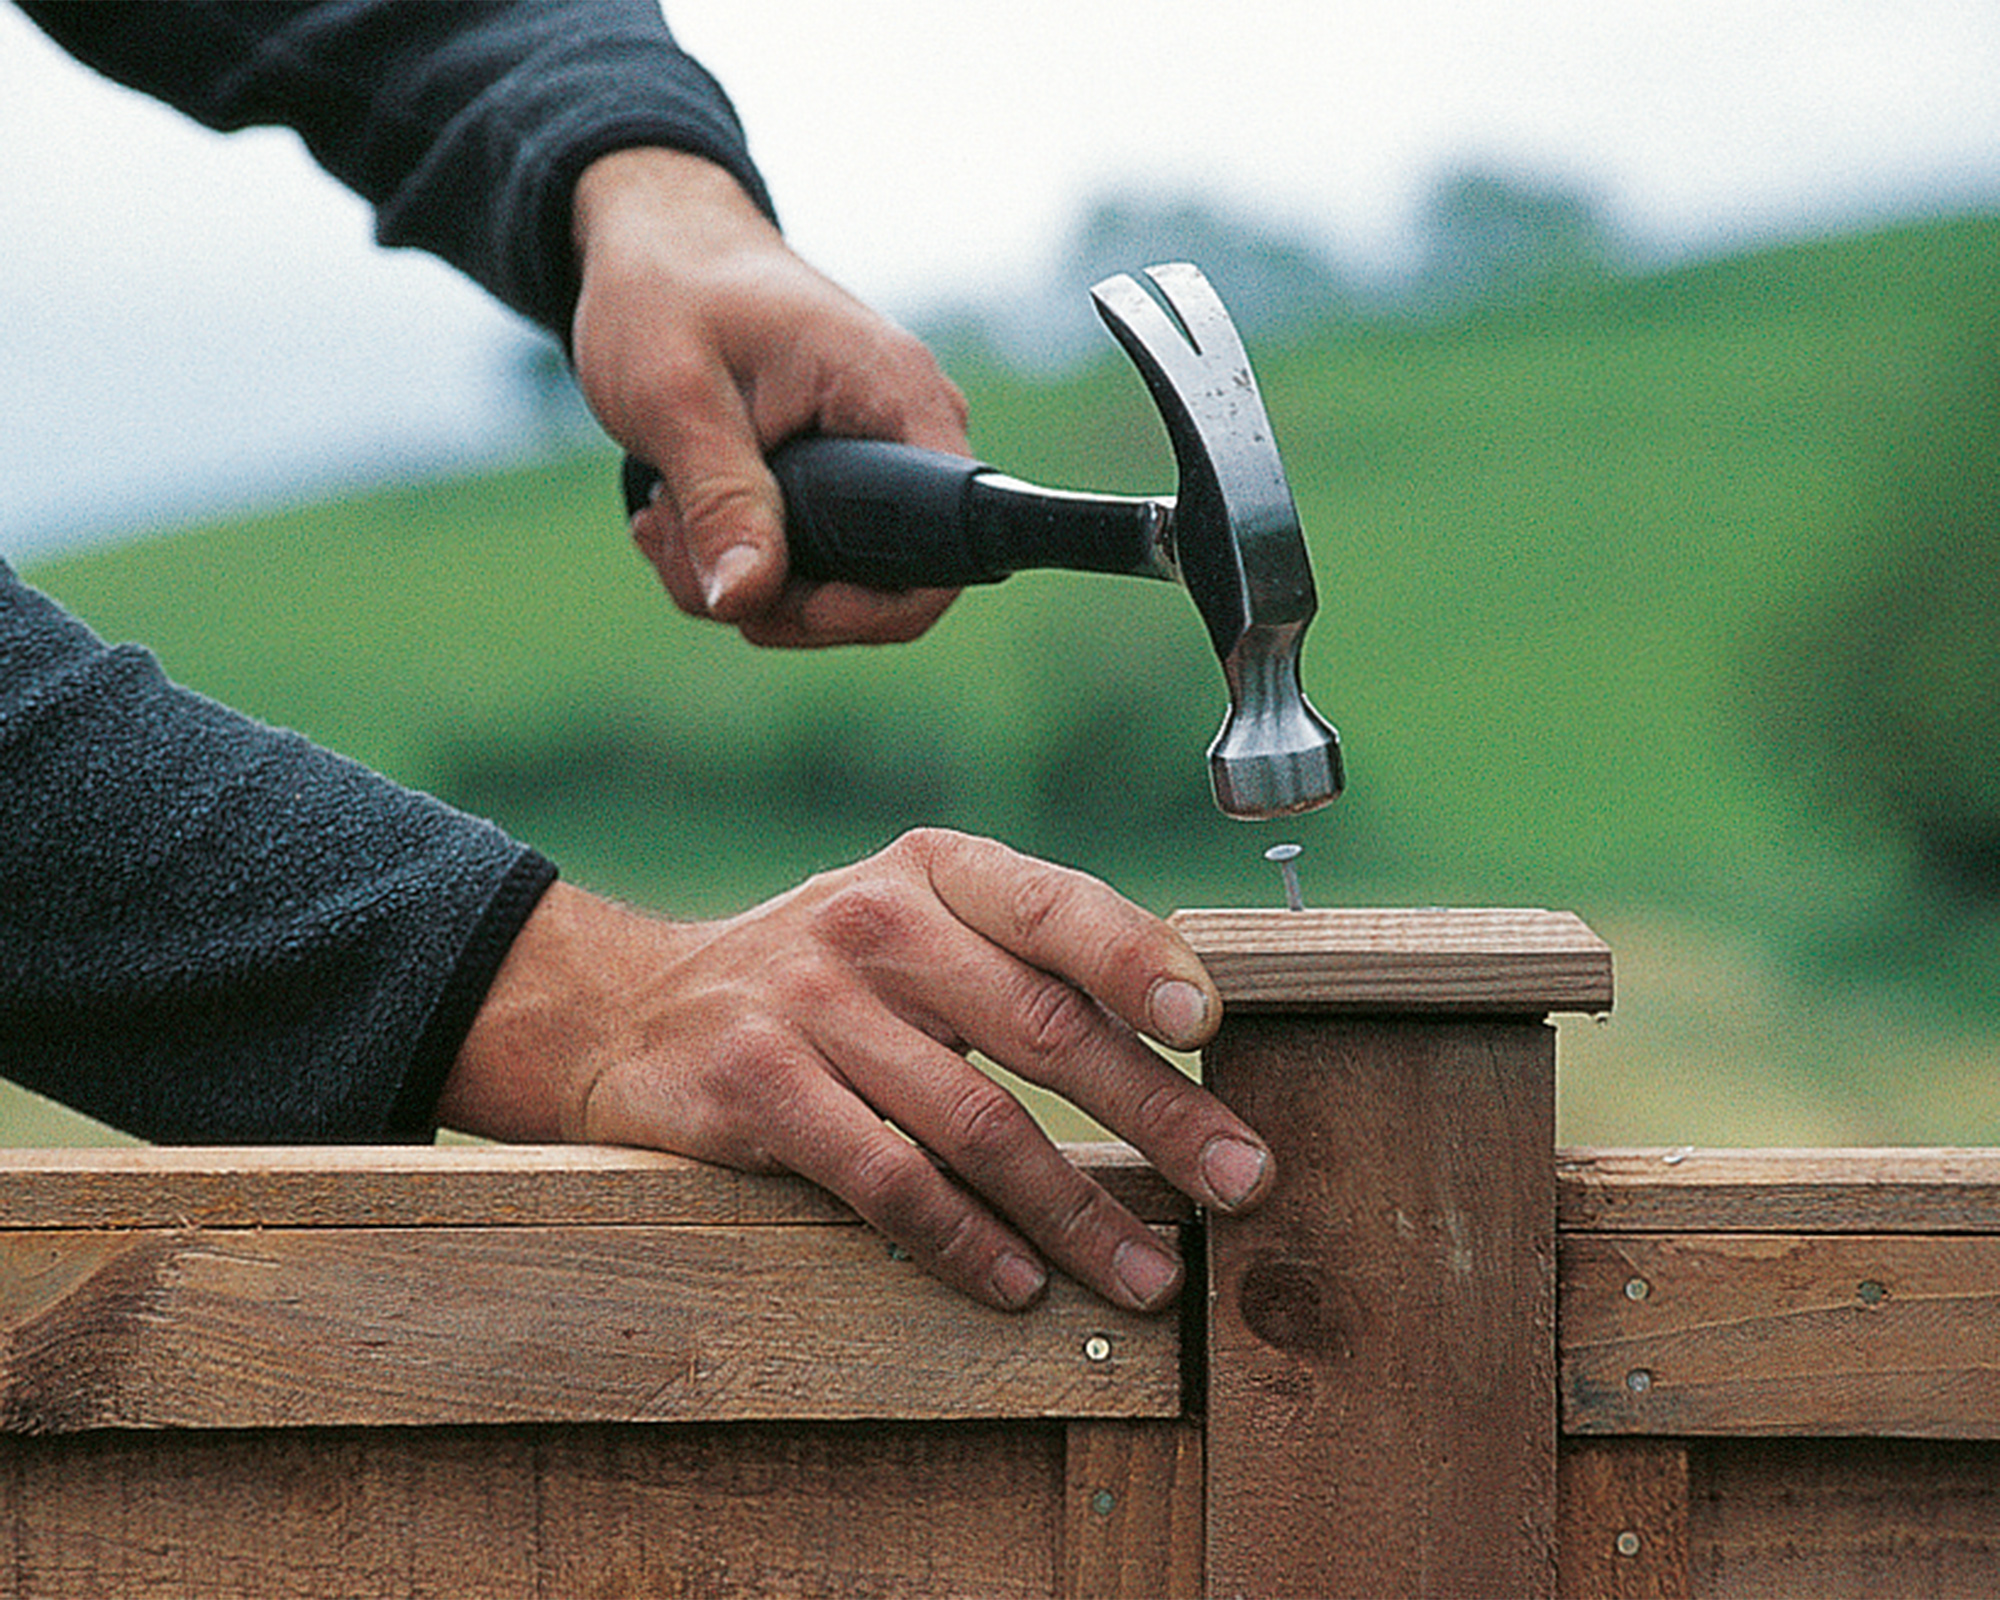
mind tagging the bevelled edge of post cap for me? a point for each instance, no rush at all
(1386, 960)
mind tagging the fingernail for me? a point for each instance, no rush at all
(732, 568)
(1017, 1281)
(1148, 1273)
(1179, 1010)
(1232, 1170)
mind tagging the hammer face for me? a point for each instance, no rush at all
(1238, 544)
(1275, 756)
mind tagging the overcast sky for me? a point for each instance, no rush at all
(189, 320)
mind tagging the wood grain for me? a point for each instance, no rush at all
(1796, 1519)
(1779, 1191)
(507, 1513)
(450, 1186)
(1467, 962)
(1623, 1520)
(219, 1328)
(1381, 1366)
(1133, 1511)
(1750, 1334)
(856, 1511)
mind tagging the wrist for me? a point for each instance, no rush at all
(686, 197)
(559, 1011)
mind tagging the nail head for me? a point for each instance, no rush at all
(1286, 856)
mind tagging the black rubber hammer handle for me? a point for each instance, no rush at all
(893, 516)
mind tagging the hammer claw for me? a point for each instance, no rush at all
(1237, 538)
(1155, 340)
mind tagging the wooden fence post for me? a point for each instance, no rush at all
(1382, 1377)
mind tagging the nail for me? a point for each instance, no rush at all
(1233, 1170)
(1179, 1011)
(1286, 856)
(1017, 1282)
(731, 570)
(1148, 1273)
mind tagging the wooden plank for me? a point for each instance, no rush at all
(501, 1513)
(219, 1328)
(1623, 1520)
(1132, 1510)
(1779, 1191)
(1468, 962)
(233, 1516)
(1681, 1334)
(419, 1186)
(853, 1510)
(1811, 1519)
(1381, 1367)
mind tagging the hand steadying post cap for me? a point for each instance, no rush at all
(894, 517)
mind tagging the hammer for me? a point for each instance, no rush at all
(892, 516)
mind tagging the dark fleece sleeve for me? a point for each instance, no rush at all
(466, 124)
(213, 931)
(209, 929)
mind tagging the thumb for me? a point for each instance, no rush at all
(715, 528)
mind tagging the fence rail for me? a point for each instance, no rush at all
(1445, 1359)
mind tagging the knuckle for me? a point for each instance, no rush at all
(983, 1125)
(1058, 1021)
(725, 502)
(1040, 896)
(754, 1069)
(867, 915)
(894, 1187)
(1170, 1109)
(1084, 1217)
(963, 1241)
(921, 847)
(1130, 948)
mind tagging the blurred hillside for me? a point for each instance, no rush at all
(1639, 595)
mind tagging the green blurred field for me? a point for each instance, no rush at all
(1552, 547)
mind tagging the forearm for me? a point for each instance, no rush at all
(213, 931)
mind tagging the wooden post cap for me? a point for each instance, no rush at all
(1434, 959)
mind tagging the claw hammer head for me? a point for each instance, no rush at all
(1236, 539)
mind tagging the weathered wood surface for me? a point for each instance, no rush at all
(1381, 1364)
(734, 1512)
(1133, 1510)
(1736, 1333)
(228, 1328)
(1623, 1523)
(1779, 1191)
(1814, 1519)
(1481, 962)
(448, 1186)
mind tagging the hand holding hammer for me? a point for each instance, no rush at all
(895, 519)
